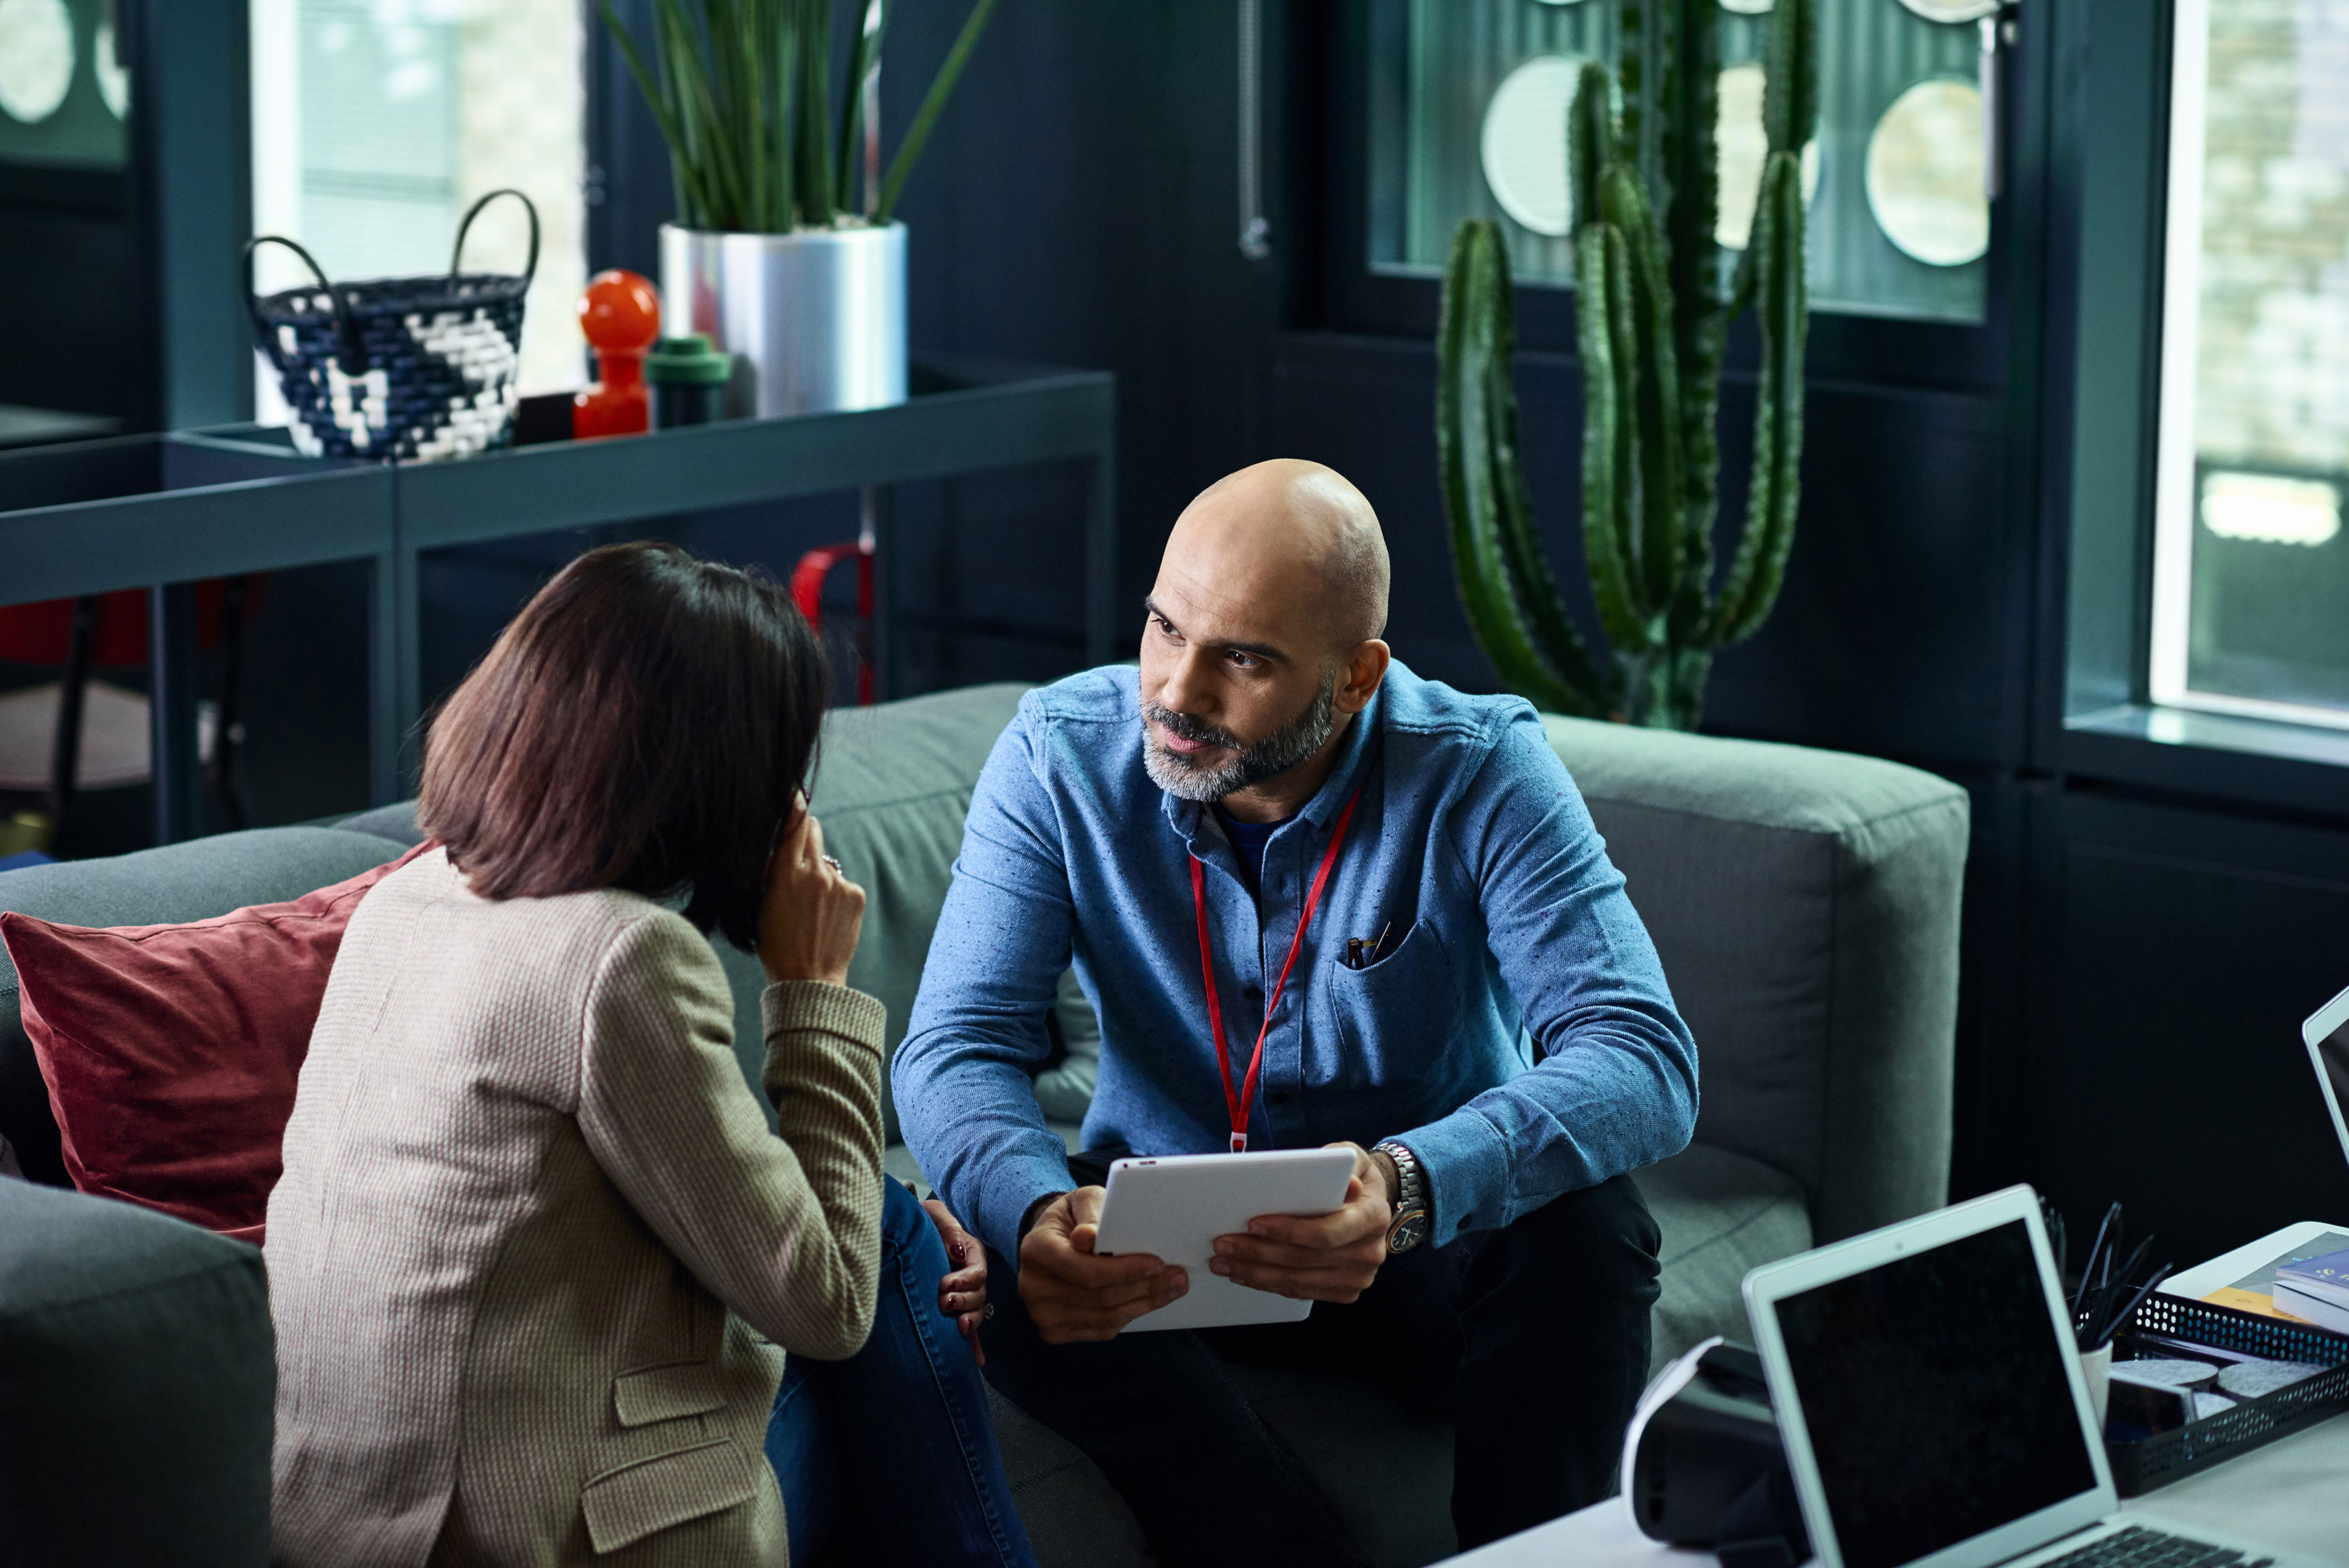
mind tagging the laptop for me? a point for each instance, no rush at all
(2327, 1033)
(1933, 1410)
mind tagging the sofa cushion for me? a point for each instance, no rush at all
(893, 788)
(138, 1379)
(1805, 904)
(396, 821)
(1721, 1214)
(177, 883)
(172, 1052)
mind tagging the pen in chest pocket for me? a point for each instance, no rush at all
(1361, 953)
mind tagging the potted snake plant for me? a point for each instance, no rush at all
(784, 251)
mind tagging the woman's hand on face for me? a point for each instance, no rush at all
(962, 1294)
(809, 922)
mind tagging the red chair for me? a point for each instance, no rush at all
(110, 630)
(807, 592)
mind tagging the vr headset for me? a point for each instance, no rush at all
(1702, 1465)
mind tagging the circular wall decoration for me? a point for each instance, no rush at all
(36, 59)
(1740, 149)
(1951, 10)
(113, 75)
(1524, 143)
(1925, 173)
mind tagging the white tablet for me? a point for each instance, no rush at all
(1174, 1208)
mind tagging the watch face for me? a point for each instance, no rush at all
(1408, 1232)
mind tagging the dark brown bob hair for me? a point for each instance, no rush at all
(643, 723)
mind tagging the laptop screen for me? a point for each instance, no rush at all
(2333, 1060)
(1934, 1394)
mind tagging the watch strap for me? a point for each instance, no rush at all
(1410, 1180)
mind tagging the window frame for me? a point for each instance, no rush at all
(2110, 160)
(2177, 462)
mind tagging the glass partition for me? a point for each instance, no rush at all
(1471, 122)
(64, 91)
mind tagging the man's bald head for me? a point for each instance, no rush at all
(1289, 531)
(1262, 639)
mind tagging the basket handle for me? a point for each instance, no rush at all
(530, 268)
(353, 360)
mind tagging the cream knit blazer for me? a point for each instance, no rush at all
(535, 1259)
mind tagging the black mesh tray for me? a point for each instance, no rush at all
(2138, 1467)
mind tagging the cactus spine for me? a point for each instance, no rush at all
(1651, 326)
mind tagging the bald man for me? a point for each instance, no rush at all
(1475, 1008)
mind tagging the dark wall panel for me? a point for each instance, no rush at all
(1366, 406)
(1076, 206)
(83, 343)
(1995, 933)
(2166, 1067)
(1902, 625)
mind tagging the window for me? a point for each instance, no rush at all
(1472, 123)
(2251, 591)
(376, 123)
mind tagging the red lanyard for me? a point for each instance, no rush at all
(1241, 1102)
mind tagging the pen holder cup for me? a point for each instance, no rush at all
(2095, 1368)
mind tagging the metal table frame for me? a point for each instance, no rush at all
(164, 511)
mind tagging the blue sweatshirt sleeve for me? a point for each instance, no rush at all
(1614, 1084)
(976, 1035)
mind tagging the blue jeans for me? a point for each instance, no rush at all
(889, 1455)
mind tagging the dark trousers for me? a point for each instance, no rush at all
(1533, 1339)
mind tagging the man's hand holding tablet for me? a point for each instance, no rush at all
(1074, 1295)
(1074, 1292)
(1331, 1256)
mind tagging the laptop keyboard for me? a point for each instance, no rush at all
(2138, 1547)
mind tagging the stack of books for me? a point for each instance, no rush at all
(2315, 1289)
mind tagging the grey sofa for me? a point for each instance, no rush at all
(1805, 904)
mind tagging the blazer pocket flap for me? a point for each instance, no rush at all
(625, 1505)
(665, 1393)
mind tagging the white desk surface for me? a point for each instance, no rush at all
(2292, 1495)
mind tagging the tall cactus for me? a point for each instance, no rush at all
(1652, 325)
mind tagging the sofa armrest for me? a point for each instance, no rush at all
(1805, 904)
(138, 1376)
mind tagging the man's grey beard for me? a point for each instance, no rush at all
(1185, 779)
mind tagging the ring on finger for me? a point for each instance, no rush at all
(831, 862)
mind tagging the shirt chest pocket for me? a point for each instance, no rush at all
(1392, 1019)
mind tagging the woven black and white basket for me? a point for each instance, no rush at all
(415, 369)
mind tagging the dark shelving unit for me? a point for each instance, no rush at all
(162, 511)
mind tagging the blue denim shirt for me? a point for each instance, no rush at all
(1517, 1032)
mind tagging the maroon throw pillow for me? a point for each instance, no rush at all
(172, 1052)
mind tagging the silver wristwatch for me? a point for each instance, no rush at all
(1412, 1217)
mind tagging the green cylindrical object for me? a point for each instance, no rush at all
(688, 377)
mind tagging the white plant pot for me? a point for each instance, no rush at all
(815, 320)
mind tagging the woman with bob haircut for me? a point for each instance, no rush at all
(536, 1262)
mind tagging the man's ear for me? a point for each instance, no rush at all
(1360, 670)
